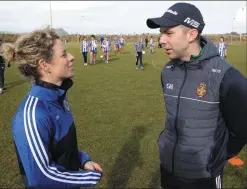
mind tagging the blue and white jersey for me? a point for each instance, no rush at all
(139, 46)
(84, 46)
(106, 45)
(121, 40)
(221, 49)
(93, 45)
(151, 42)
(116, 41)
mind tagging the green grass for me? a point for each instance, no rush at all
(119, 113)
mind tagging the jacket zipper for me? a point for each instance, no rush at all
(173, 155)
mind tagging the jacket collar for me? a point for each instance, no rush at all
(50, 92)
(208, 51)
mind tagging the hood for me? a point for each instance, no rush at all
(209, 51)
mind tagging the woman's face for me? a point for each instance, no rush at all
(61, 65)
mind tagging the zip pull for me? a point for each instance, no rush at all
(172, 67)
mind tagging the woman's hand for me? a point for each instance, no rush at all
(90, 165)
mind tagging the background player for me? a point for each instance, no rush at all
(121, 44)
(116, 44)
(222, 47)
(139, 47)
(93, 49)
(84, 49)
(106, 47)
(152, 44)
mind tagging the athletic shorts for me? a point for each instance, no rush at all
(94, 51)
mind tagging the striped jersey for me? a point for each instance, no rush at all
(106, 45)
(221, 49)
(116, 41)
(45, 140)
(121, 40)
(152, 42)
(84, 46)
(139, 46)
(93, 45)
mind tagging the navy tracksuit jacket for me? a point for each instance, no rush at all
(45, 140)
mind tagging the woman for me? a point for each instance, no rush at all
(152, 45)
(43, 128)
(84, 49)
(121, 44)
(106, 48)
(116, 44)
(146, 42)
(139, 48)
(93, 49)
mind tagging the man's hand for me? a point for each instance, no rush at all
(90, 165)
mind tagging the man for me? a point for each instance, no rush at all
(221, 46)
(205, 97)
(139, 47)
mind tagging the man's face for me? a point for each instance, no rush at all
(175, 41)
(221, 40)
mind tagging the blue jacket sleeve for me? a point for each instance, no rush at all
(233, 98)
(84, 158)
(32, 137)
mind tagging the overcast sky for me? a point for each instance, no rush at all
(113, 17)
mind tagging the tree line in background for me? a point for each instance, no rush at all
(229, 38)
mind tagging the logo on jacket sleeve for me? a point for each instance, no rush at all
(201, 90)
(66, 105)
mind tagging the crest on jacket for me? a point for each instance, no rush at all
(201, 90)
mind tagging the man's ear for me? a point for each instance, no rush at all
(44, 65)
(193, 34)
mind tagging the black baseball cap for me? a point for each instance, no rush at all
(179, 14)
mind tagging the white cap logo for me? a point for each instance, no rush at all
(172, 12)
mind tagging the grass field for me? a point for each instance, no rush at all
(119, 113)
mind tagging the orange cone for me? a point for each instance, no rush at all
(235, 161)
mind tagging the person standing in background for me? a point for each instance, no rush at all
(93, 50)
(139, 47)
(2, 68)
(121, 44)
(152, 44)
(106, 48)
(84, 49)
(222, 48)
(146, 42)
